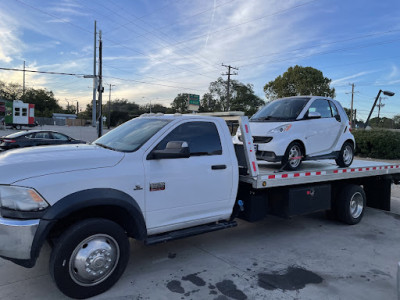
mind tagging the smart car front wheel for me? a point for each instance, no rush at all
(293, 156)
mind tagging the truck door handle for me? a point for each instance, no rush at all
(218, 167)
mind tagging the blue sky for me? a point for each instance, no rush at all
(153, 50)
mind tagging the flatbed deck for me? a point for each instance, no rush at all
(269, 174)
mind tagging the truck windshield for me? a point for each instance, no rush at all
(287, 109)
(131, 135)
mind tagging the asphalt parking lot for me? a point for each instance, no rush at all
(307, 257)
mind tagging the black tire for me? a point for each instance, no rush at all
(293, 150)
(350, 204)
(108, 252)
(346, 155)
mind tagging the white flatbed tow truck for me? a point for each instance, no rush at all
(155, 179)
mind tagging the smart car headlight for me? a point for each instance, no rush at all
(282, 128)
(21, 199)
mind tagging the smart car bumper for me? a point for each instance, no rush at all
(268, 156)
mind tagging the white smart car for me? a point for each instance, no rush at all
(293, 129)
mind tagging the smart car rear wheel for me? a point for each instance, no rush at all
(346, 155)
(293, 156)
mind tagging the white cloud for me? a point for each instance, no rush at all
(347, 78)
(11, 45)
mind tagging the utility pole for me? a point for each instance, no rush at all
(94, 80)
(23, 82)
(109, 107)
(229, 80)
(100, 86)
(380, 105)
(355, 115)
(351, 108)
(77, 108)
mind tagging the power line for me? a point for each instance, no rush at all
(323, 53)
(42, 72)
(245, 22)
(150, 83)
(115, 43)
(323, 44)
(166, 42)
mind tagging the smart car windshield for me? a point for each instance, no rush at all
(287, 109)
(131, 135)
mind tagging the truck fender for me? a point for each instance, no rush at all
(83, 200)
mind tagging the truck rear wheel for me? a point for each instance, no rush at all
(350, 204)
(89, 257)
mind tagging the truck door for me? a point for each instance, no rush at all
(183, 191)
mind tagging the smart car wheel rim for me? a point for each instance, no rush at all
(294, 156)
(94, 260)
(356, 205)
(347, 155)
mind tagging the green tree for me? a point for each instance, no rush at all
(381, 123)
(396, 121)
(45, 102)
(245, 100)
(242, 97)
(298, 81)
(180, 103)
(10, 91)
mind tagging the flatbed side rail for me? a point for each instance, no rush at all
(320, 175)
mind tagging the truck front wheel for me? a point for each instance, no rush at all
(350, 204)
(89, 257)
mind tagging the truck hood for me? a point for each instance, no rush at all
(19, 164)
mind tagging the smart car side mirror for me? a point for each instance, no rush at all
(313, 115)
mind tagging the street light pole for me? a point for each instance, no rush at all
(109, 107)
(386, 93)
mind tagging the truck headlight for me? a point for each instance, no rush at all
(282, 128)
(21, 199)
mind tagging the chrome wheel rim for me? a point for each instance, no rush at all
(94, 260)
(347, 155)
(294, 156)
(356, 205)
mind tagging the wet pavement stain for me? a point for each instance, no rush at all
(193, 278)
(221, 297)
(175, 287)
(294, 278)
(396, 216)
(229, 289)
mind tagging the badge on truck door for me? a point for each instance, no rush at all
(158, 186)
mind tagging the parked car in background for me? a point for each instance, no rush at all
(36, 138)
(293, 129)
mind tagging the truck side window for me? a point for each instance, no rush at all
(202, 138)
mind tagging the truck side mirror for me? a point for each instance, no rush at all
(173, 149)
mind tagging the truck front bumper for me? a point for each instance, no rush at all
(16, 238)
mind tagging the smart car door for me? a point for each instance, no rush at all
(321, 133)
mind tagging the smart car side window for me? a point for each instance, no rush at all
(335, 112)
(202, 138)
(321, 106)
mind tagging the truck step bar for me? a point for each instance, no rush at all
(174, 235)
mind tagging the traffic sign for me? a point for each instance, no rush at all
(193, 102)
